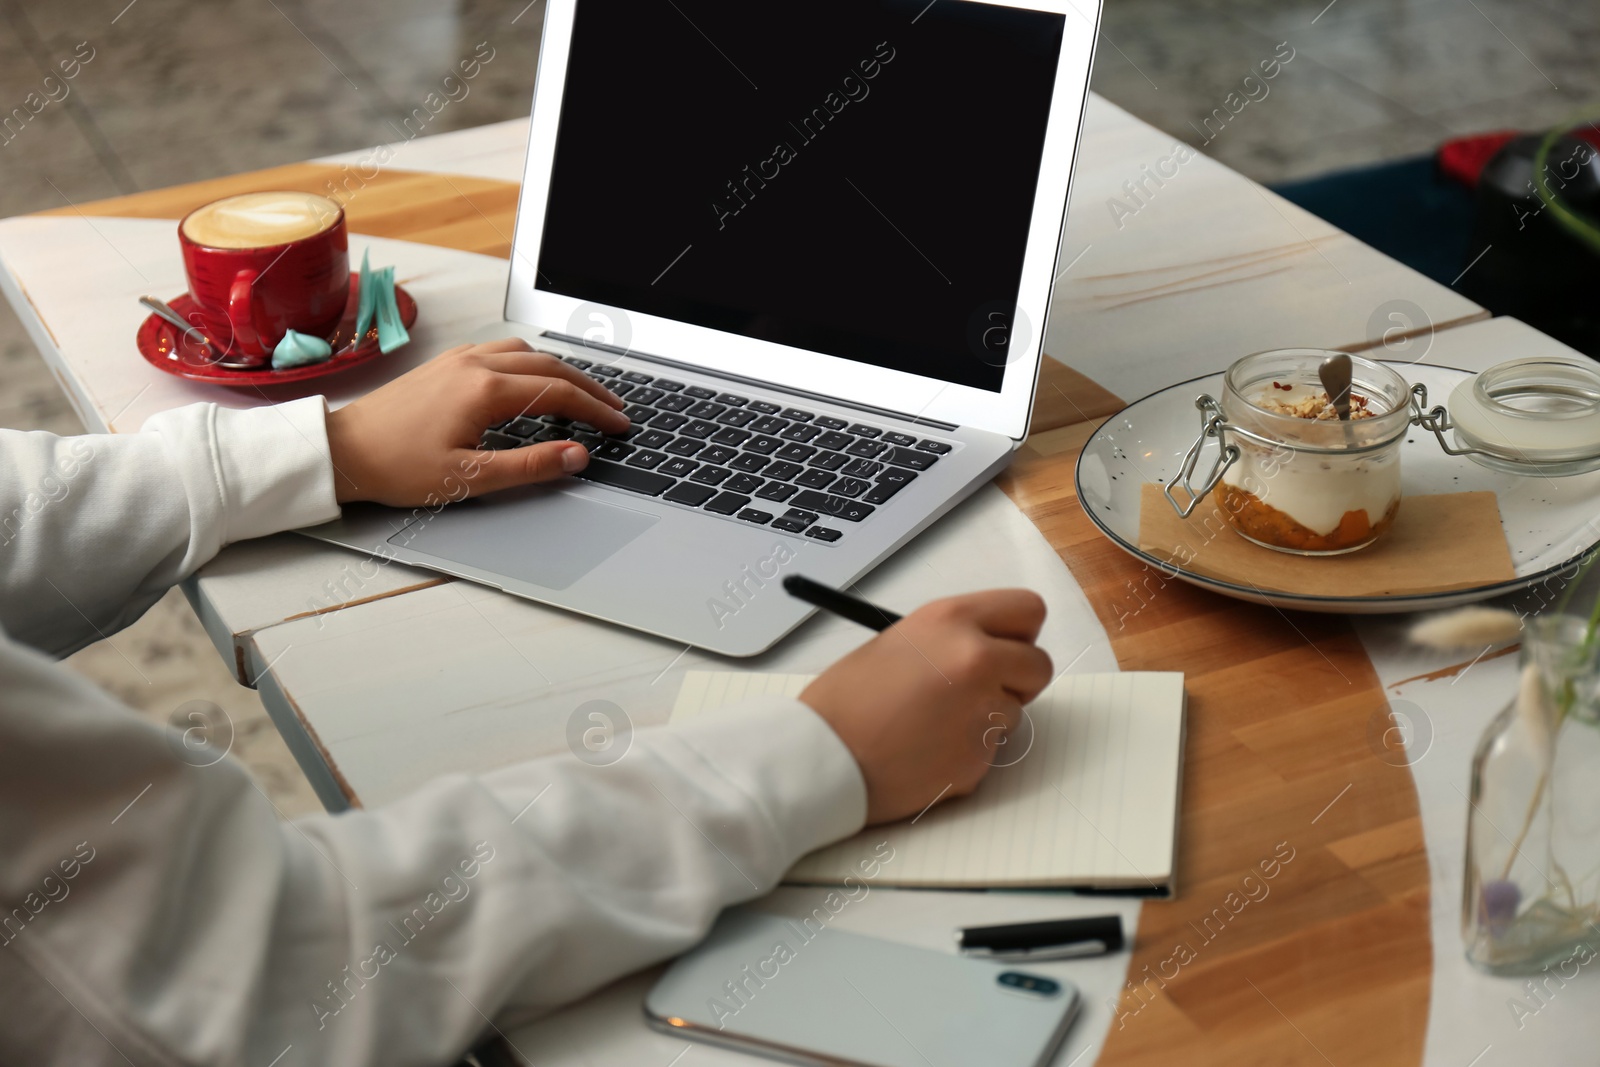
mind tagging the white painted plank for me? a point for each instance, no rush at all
(1208, 267)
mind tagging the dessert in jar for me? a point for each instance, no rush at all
(1306, 481)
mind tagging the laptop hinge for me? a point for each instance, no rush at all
(915, 420)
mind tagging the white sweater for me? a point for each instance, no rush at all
(155, 912)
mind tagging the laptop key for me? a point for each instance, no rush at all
(653, 439)
(678, 468)
(554, 420)
(824, 533)
(783, 470)
(902, 439)
(896, 476)
(761, 407)
(760, 518)
(788, 525)
(639, 413)
(815, 479)
(710, 475)
(667, 421)
(768, 424)
(776, 491)
(796, 415)
(718, 454)
(861, 468)
(730, 436)
(742, 483)
(684, 446)
(851, 487)
(522, 427)
(667, 385)
(737, 417)
(800, 432)
(828, 422)
(938, 448)
(868, 449)
(699, 428)
(804, 518)
(591, 441)
(495, 441)
(731, 400)
(828, 461)
(689, 493)
(630, 478)
(763, 444)
(749, 462)
(837, 506)
(637, 378)
(603, 370)
(619, 387)
(834, 440)
(699, 392)
(905, 457)
(581, 364)
(865, 431)
(706, 410)
(554, 433)
(727, 503)
(644, 396)
(675, 402)
(796, 453)
(647, 458)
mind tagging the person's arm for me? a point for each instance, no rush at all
(95, 528)
(158, 913)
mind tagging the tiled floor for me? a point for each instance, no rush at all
(169, 91)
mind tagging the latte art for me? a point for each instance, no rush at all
(260, 220)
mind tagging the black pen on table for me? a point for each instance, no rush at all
(840, 603)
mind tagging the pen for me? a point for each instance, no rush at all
(1058, 939)
(840, 603)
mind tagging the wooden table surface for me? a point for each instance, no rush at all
(1337, 968)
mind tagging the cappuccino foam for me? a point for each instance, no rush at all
(260, 220)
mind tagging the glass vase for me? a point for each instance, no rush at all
(1532, 887)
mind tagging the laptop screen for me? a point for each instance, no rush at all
(851, 177)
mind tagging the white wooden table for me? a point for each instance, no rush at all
(383, 677)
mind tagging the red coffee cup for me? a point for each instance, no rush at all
(261, 264)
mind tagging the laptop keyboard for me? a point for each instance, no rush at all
(750, 460)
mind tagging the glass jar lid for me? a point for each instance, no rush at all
(1534, 415)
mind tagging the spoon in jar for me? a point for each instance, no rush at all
(1335, 373)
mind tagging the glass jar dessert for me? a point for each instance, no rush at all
(1293, 476)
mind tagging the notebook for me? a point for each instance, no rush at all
(1090, 801)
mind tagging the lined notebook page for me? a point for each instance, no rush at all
(1093, 802)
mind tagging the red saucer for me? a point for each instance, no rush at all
(164, 345)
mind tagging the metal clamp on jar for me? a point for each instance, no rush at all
(1293, 475)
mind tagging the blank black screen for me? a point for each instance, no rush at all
(854, 177)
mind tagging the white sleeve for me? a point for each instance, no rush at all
(95, 528)
(156, 912)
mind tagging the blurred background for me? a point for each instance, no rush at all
(1351, 128)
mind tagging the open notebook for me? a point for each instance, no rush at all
(1092, 804)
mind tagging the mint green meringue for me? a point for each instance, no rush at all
(300, 350)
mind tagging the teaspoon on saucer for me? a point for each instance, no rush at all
(164, 311)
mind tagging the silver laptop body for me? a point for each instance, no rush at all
(862, 321)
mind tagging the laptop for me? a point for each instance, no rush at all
(813, 248)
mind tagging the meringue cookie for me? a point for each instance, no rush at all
(300, 350)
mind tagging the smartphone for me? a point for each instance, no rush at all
(799, 991)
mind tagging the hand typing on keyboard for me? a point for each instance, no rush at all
(743, 458)
(415, 441)
(923, 705)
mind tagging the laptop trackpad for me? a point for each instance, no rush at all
(541, 536)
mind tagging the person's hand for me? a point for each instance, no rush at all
(923, 705)
(415, 440)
